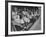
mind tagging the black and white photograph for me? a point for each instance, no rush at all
(25, 18)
